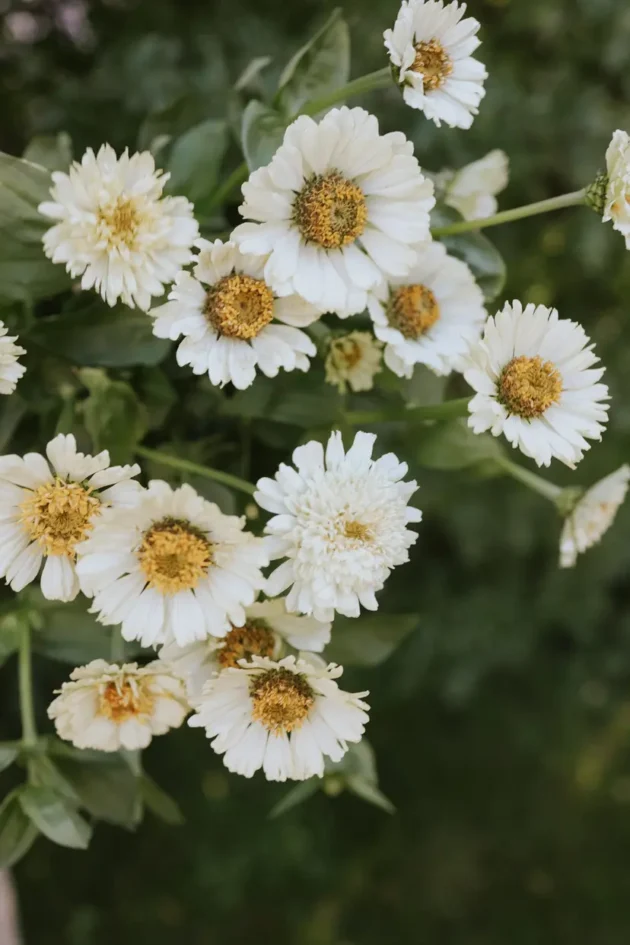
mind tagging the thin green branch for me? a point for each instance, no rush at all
(530, 479)
(196, 469)
(365, 83)
(25, 679)
(508, 216)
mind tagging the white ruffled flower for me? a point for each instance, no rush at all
(432, 316)
(536, 383)
(431, 47)
(617, 203)
(473, 189)
(353, 360)
(232, 321)
(268, 625)
(10, 368)
(107, 707)
(115, 229)
(592, 516)
(47, 508)
(172, 568)
(341, 521)
(282, 716)
(338, 207)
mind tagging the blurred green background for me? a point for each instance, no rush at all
(502, 724)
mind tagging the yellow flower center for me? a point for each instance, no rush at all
(529, 386)
(413, 309)
(122, 700)
(239, 306)
(174, 556)
(357, 531)
(330, 211)
(346, 353)
(433, 63)
(241, 643)
(58, 515)
(120, 221)
(281, 700)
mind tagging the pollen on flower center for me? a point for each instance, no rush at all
(346, 351)
(120, 220)
(529, 386)
(239, 306)
(58, 515)
(330, 211)
(433, 63)
(358, 531)
(413, 309)
(254, 639)
(281, 700)
(174, 556)
(121, 701)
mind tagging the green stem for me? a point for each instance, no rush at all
(508, 216)
(236, 178)
(25, 676)
(196, 469)
(531, 480)
(117, 646)
(447, 410)
(365, 83)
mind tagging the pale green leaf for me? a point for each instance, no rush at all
(54, 152)
(114, 417)
(9, 751)
(55, 817)
(195, 160)
(368, 791)
(262, 131)
(105, 786)
(159, 802)
(370, 639)
(295, 796)
(17, 832)
(454, 446)
(318, 68)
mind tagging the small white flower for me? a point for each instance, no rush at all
(45, 512)
(341, 521)
(232, 321)
(431, 48)
(115, 229)
(536, 383)
(10, 368)
(353, 360)
(268, 625)
(339, 206)
(432, 316)
(284, 717)
(108, 707)
(473, 189)
(617, 204)
(172, 568)
(592, 516)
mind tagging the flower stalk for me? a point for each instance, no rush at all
(25, 679)
(574, 199)
(532, 480)
(196, 469)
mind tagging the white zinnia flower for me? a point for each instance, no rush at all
(353, 360)
(617, 203)
(431, 48)
(429, 317)
(108, 707)
(115, 229)
(284, 717)
(10, 368)
(232, 321)
(45, 512)
(341, 521)
(338, 207)
(268, 624)
(472, 190)
(172, 568)
(536, 383)
(592, 516)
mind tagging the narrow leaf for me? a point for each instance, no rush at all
(159, 803)
(55, 817)
(297, 795)
(17, 832)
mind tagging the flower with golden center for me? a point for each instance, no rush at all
(473, 189)
(431, 47)
(283, 716)
(536, 383)
(330, 211)
(617, 201)
(107, 707)
(50, 506)
(174, 568)
(10, 368)
(353, 360)
(232, 321)
(592, 515)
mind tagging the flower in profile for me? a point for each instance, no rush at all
(232, 321)
(592, 516)
(268, 626)
(338, 207)
(352, 361)
(115, 229)
(10, 368)
(536, 382)
(431, 316)
(340, 519)
(107, 707)
(617, 199)
(173, 567)
(431, 47)
(472, 190)
(282, 716)
(48, 508)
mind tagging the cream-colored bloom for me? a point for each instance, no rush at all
(338, 207)
(353, 360)
(617, 204)
(536, 383)
(282, 716)
(47, 508)
(108, 707)
(592, 516)
(432, 316)
(473, 189)
(115, 229)
(10, 368)
(232, 321)
(431, 47)
(172, 568)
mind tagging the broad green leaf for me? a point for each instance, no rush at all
(368, 640)
(195, 160)
(357, 772)
(54, 152)
(295, 796)
(113, 415)
(318, 68)
(454, 446)
(105, 786)
(476, 250)
(262, 131)
(43, 772)
(55, 817)
(8, 753)
(17, 832)
(68, 633)
(159, 802)
(164, 124)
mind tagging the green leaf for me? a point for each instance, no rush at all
(369, 792)
(252, 71)
(159, 802)
(55, 817)
(10, 632)
(318, 68)
(105, 786)
(476, 250)
(68, 633)
(9, 751)
(262, 131)
(12, 411)
(297, 795)
(17, 832)
(114, 417)
(454, 446)
(54, 152)
(369, 640)
(195, 160)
